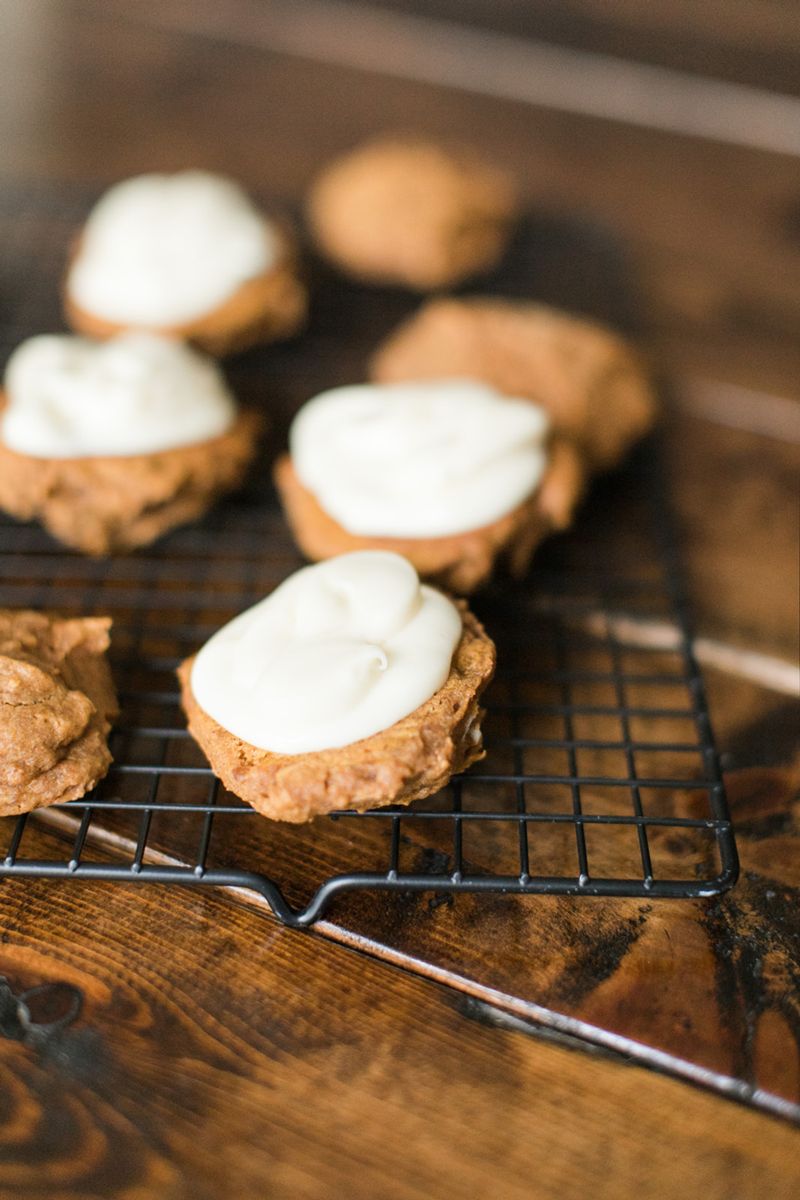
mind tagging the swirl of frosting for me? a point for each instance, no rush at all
(338, 652)
(418, 459)
(68, 397)
(162, 249)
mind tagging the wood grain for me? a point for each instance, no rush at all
(419, 48)
(220, 1055)
(754, 43)
(736, 499)
(263, 1062)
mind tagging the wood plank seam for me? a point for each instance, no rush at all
(444, 53)
(741, 408)
(776, 674)
(499, 1018)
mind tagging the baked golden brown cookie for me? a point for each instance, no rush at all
(270, 306)
(413, 758)
(459, 562)
(411, 212)
(586, 377)
(57, 703)
(105, 504)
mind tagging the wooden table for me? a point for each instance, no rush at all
(520, 1046)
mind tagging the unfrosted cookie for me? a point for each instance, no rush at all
(57, 703)
(412, 212)
(273, 700)
(186, 255)
(111, 445)
(450, 474)
(586, 377)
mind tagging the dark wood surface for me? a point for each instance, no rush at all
(218, 1054)
(753, 43)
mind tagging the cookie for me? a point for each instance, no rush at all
(586, 377)
(187, 256)
(57, 703)
(410, 212)
(410, 758)
(111, 445)
(460, 562)
(449, 473)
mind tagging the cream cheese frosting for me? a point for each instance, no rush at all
(421, 459)
(340, 651)
(158, 250)
(68, 397)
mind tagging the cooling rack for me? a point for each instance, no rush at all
(601, 776)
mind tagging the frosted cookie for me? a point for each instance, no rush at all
(111, 444)
(351, 686)
(57, 703)
(449, 473)
(588, 378)
(412, 213)
(186, 255)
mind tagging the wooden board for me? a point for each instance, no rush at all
(218, 1054)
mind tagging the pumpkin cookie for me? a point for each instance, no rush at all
(111, 445)
(350, 687)
(411, 212)
(450, 474)
(57, 703)
(187, 256)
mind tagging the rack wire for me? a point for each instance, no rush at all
(601, 776)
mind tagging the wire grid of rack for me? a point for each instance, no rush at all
(601, 776)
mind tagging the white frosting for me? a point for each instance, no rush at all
(338, 652)
(418, 459)
(68, 397)
(161, 249)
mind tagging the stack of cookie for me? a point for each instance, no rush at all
(357, 682)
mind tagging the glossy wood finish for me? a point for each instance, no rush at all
(218, 1054)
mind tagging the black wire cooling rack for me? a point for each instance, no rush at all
(601, 776)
